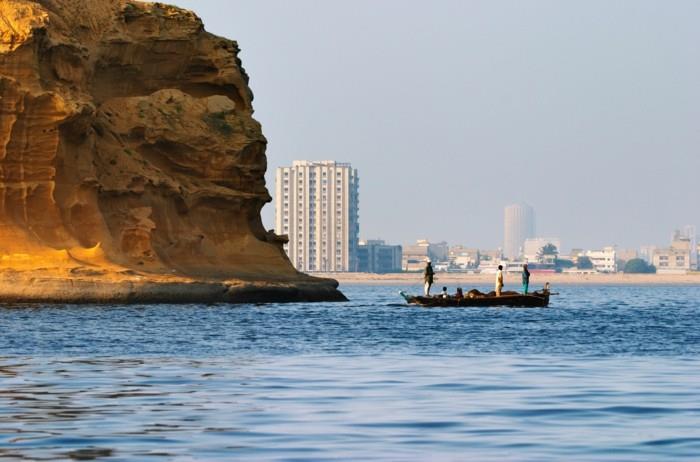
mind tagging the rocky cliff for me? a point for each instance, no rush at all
(129, 157)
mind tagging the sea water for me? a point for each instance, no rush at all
(604, 373)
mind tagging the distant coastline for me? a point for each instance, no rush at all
(537, 280)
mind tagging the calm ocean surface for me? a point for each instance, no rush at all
(606, 373)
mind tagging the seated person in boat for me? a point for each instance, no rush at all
(543, 291)
(459, 295)
(444, 293)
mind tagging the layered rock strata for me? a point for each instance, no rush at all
(130, 161)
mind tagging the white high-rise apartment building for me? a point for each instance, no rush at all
(317, 207)
(519, 225)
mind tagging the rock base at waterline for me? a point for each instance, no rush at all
(100, 288)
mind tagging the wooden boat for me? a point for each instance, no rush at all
(539, 299)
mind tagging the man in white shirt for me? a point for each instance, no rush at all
(499, 280)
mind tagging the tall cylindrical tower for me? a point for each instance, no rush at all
(519, 224)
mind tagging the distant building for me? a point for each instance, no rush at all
(646, 253)
(517, 267)
(604, 261)
(625, 255)
(464, 258)
(671, 260)
(532, 248)
(317, 207)
(678, 257)
(575, 253)
(519, 225)
(495, 255)
(489, 260)
(439, 252)
(375, 256)
(416, 255)
(489, 266)
(691, 233)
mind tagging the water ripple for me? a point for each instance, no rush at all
(607, 373)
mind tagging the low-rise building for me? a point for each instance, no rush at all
(489, 266)
(676, 258)
(416, 255)
(604, 261)
(532, 249)
(463, 258)
(375, 256)
(495, 255)
(646, 253)
(575, 253)
(489, 260)
(625, 255)
(515, 266)
(439, 252)
(670, 261)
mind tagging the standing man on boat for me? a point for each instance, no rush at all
(526, 278)
(428, 277)
(499, 280)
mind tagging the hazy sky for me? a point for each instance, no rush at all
(452, 109)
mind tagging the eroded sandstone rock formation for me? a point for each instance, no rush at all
(128, 147)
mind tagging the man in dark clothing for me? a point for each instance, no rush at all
(428, 278)
(526, 279)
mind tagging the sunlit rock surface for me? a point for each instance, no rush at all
(130, 163)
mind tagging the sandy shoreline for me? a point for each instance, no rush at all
(536, 280)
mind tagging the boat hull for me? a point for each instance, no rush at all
(540, 300)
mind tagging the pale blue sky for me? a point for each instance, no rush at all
(452, 109)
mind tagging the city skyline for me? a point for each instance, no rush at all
(317, 210)
(519, 222)
(586, 111)
(569, 245)
(520, 219)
